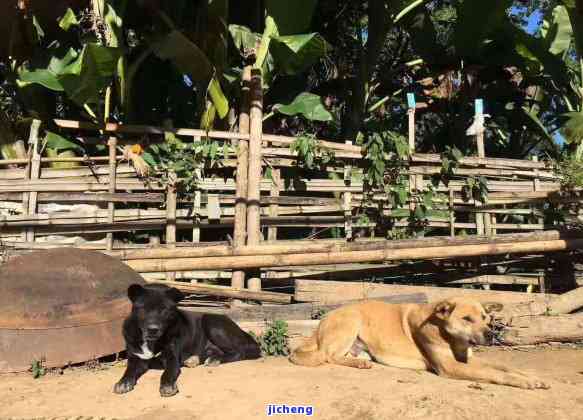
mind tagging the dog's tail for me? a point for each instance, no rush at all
(252, 351)
(308, 354)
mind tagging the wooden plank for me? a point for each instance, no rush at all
(297, 311)
(333, 291)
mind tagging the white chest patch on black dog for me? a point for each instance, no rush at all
(146, 353)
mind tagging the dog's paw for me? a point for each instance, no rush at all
(122, 387)
(192, 362)
(532, 382)
(168, 390)
(363, 364)
(212, 362)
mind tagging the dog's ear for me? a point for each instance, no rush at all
(174, 294)
(135, 291)
(444, 309)
(490, 307)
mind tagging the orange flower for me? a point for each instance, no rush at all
(137, 149)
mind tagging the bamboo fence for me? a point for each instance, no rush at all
(96, 202)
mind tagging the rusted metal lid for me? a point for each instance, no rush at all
(64, 299)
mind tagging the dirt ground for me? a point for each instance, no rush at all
(243, 390)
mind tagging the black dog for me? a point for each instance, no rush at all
(159, 335)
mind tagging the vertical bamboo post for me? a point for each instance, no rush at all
(171, 218)
(479, 121)
(240, 224)
(32, 172)
(347, 201)
(347, 207)
(196, 206)
(536, 187)
(451, 214)
(254, 178)
(411, 132)
(112, 145)
(26, 195)
(274, 208)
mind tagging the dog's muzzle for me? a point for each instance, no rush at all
(482, 339)
(152, 332)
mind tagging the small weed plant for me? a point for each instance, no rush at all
(274, 341)
(38, 369)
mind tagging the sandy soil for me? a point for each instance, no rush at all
(242, 391)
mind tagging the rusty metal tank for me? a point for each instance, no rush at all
(62, 306)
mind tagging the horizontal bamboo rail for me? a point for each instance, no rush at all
(228, 292)
(258, 261)
(316, 246)
(517, 190)
(340, 146)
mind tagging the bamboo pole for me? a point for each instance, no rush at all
(254, 178)
(87, 159)
(411, 136)
(196, 210)
(285, 140)
(308, 246)
(451, 214)
(171, 220)
(26, 176)
(274, 208)
(229, 292)
(292, 247)
(256, 261)
(112, 144)
(34, 172)
(240, 223)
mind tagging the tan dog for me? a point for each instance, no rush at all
(435, 337)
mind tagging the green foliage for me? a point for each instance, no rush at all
(296, 53)
(557, 30)
(573, 128)
(191, 60)
(59, 144)
(274, 341)
(575, 9)
(397, 234)
(570, 171)
(450, 160)
(68, 20)
(477, 20)
(183, 163)
(38, 369)
(310, 154)
(308, 105)
(386, 152)
(291, 20)
(476, 188)
(82, 75)
(377, 145)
